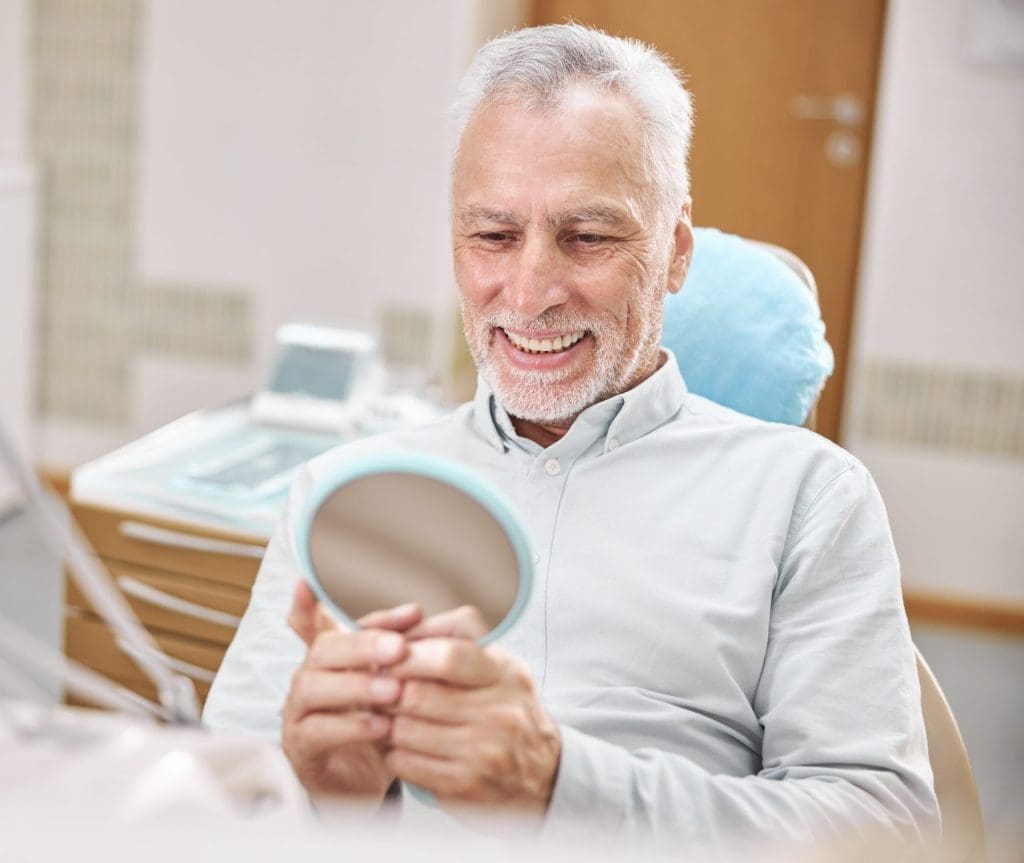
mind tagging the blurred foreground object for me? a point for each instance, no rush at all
(58, 759)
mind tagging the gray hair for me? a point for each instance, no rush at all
(536, 66)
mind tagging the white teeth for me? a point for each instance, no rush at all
(545, 346)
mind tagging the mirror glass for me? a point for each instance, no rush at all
(405, 527)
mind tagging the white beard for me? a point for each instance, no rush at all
(546, 397)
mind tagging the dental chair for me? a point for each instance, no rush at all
(771, 361)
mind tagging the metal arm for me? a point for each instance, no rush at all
(176, 692)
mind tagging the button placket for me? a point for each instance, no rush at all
(540, 496)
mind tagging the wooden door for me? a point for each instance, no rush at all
(776, 156)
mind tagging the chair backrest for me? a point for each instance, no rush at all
(802, 272)
(963, 835)
(746, 329)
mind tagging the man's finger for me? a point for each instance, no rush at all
(440, 702)
(440, 776)
(317, 691)
(302, 616)
(321, 732)
(398, 619)
(367, 648)
(451, 660)
(436, 739)
(464, 622)
(325, 621)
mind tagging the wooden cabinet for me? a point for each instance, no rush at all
(189, 586)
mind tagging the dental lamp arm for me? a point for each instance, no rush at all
(176, 693)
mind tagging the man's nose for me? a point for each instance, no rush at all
(540, 280)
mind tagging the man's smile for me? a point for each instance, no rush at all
(544, 351)
(545, 344)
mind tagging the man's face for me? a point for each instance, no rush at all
(561, 258)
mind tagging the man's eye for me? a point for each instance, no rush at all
(589, 239)
(494, 236)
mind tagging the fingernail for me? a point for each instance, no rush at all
(404, 610)
(383, 688)
(389, 646)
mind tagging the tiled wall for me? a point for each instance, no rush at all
(96, 314)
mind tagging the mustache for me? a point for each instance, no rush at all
(567, 322)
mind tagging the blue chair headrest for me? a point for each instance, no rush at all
(747, 332)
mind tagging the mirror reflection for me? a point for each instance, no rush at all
(392, 536)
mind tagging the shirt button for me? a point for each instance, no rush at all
(536, 558)
(552, 467)
(613, 444)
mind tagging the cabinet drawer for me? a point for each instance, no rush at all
(176, 604)
(218, 556)
(90, 642)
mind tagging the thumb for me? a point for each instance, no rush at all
(302, 617)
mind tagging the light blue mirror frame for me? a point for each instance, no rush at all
(432, 467)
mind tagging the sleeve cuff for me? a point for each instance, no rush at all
(592, 785)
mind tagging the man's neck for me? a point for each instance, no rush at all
(545, 435)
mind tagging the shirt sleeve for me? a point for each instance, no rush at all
(844, 752)
(252, 683)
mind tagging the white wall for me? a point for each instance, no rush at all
(298, 151)
(942, 285)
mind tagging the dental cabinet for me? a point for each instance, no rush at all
(185, 568)
(188, 586)
(181, 517)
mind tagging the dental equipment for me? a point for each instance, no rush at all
(176, 693)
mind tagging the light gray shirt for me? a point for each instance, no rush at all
(716, 622)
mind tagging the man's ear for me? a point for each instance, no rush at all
(682, 249)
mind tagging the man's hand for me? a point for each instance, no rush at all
(470, 728)
(331, 732)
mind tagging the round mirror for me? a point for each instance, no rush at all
(403, 527)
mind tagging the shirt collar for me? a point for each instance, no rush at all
(619, 419)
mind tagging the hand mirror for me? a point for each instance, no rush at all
(393, 528)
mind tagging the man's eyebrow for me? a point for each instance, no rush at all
(480, 213)
(598, 213)
(595, 213)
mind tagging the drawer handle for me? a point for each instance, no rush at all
(196, 672)
(174, 539)
(147, 593)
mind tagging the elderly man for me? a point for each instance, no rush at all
(716, 645)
